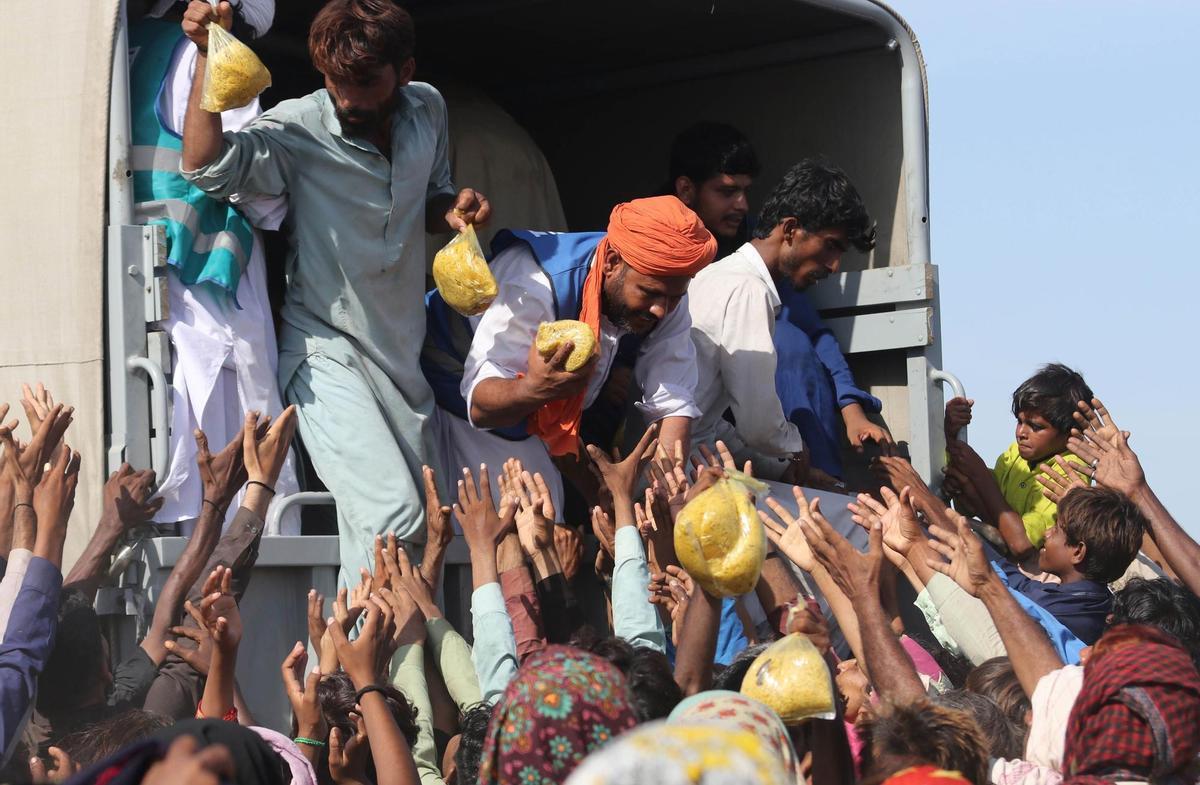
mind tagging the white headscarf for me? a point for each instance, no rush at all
(259, 14)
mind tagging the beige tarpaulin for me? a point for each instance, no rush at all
(56, 57)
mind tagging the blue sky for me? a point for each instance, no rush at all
(1065, 188)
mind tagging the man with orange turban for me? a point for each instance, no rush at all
(499, 398)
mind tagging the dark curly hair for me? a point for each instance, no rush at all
(899, 736)
(1054, 392)
(653, 690)
(472, 735)
(354, 39)
(705, 150)
(1109, 524)
(819, 196)
(1164, 604)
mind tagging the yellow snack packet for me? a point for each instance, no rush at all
(462, 275)
(234, 75)
(792, 678)
(719, 539)
(551, 335)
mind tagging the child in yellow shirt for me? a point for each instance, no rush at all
(1009, 496)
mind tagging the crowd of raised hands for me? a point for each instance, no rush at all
(386, 690)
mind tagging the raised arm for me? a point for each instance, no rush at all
(394, 763)
(202, 129)
(499, 403)
(858, 575)
(967, 565)
(127, 503)
(221, 475)
(1115, 465)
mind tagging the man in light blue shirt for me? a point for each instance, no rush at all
(364, 166)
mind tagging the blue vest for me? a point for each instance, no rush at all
(565, 257)
(208, 241)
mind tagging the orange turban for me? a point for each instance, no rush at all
(659, 236)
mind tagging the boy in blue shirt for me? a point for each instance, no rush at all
(1097, 536)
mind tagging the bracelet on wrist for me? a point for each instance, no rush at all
(215, 506)
(309, 742)
(358, 696)
(262, 485)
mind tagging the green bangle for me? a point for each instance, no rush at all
(308, 741)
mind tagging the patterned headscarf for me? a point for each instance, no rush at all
(563, 704)
(1137, 714)
(670, 754)
(739, 712)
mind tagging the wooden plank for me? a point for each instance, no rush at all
(881, 286)
(876, 332)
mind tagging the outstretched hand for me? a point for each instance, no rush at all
(265, 453)
(896, 517)
(535, 506)
(966, 562)
(619, 475)
(1111, 461)
(855, 573)
(222, 475)
(787, 532)
(220, 611)
(302, 693)
(1057, 484)
(483, 526)
(127, 497)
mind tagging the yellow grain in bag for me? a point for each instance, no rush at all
(234, 76)
(462, 274)
(719, 539)
(792, 678)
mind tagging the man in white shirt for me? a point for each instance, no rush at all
(498, 398)
(811, 218)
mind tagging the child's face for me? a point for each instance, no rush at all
(1037, 439)
(1056, 556)
(855, 689)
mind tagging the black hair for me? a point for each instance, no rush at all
(901, 735)
(819, 196)
(996, 679)
(1005, 739)
(730, 678)
(705, 150)
(1054, 392)
(653, 691)
(1109, 524)
(336, 695)
(472, 735)
(1164, 604)
(77, 659)
(96, 742)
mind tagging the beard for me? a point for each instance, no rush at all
(365, 122)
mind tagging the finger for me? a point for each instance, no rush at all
(287, 670)
(202, 452)
(558, 360)
(37, 770)
(525, 489)
(781, 511)
(709, 458)
(485, 485)
(336, 757)
(334, 630)
(772, 529)
(403, 562)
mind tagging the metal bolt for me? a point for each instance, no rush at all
(132, 270)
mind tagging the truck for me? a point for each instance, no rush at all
(601, 89)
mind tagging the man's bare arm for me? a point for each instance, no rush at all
(201, 129)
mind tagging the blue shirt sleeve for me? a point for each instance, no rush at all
(1066, 643)
(802, 314)
(27, 644)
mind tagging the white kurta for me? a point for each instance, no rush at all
(224, 358)
(665, 369)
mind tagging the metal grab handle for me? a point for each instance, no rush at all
(945, 377)
(160, 458)
(284, 503)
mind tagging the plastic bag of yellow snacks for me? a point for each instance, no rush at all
(462, 274)
(719, 539)
(234, 75)
(792, 678)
